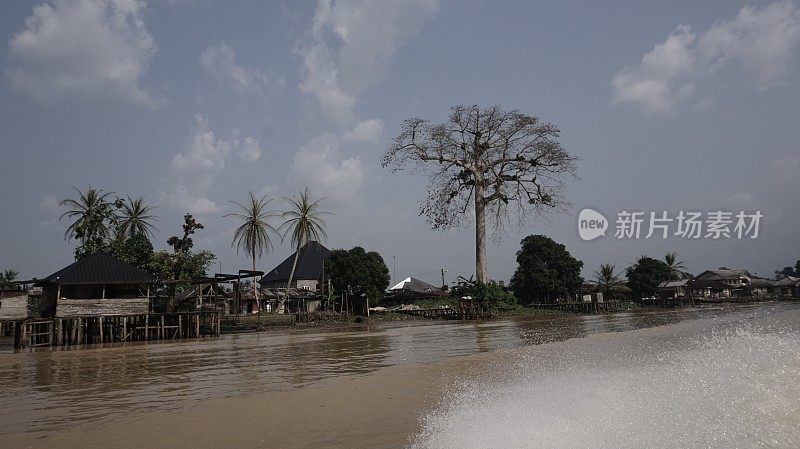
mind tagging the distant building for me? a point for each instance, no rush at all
(98, 284)
(727, 283)
(308, 274)
(674, 289)
(410, 290)
(787, 286)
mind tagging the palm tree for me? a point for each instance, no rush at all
(608, 280)
(252, 235)
(8, 276)
(304, 222)
(135, 218)
(677, 268)
(89, 209)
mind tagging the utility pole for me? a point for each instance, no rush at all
(394, 268)
(444, 284)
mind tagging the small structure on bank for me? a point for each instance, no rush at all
(411, 290)
(98, 284)
(674, 289)
(788, 286)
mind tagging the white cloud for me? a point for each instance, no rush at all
(250, 150)
(349, 48)
(219, 63)
(193, 170)
(329, 164)
(761, 40)
(88, 48)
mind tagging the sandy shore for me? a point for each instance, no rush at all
(378, 410)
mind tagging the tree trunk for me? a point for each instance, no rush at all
(481, 273)
(255, 297)
(291, 275)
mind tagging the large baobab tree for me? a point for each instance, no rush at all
(500, 163)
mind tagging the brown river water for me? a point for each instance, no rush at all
(48, 390)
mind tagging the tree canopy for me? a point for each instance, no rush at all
(645, 275)
(546, 271)
(501, 163)
(789, 271)
(364, 272)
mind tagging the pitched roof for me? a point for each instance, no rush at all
(788, 281)
(674, 284)
(415, 285)
(309, 264)
(723, 274)
(100, 268)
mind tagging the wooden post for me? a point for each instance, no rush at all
(17, 334)
(197, 325)
(124, 328)
(100, 321)
(80, 330)
(57, 331)
(180, 326)
(147, 327)
(161, 331)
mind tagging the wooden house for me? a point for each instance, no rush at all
(97, 285)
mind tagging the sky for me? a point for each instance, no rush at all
(670, 106)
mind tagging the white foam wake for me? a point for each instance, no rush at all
(739, 387)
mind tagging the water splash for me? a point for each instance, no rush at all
(689, 385)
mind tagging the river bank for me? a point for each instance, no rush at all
(445, 385)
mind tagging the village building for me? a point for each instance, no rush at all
(788, 286)
(674, 289)
(411, 290)
(308, 274)
(728, 283)
(308, 282)
(96, 285)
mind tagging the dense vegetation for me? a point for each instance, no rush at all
(546, 271)
(359, 271)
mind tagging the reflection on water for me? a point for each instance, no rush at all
(52, 389)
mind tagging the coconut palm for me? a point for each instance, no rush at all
(136, 218)
(91, 212)
(677, 268)
(608, 280)
(8, 276)
(253, 234)
(304, 222)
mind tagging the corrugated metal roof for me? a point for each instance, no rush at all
(100, 268)
(309, 264)
(415, 285)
